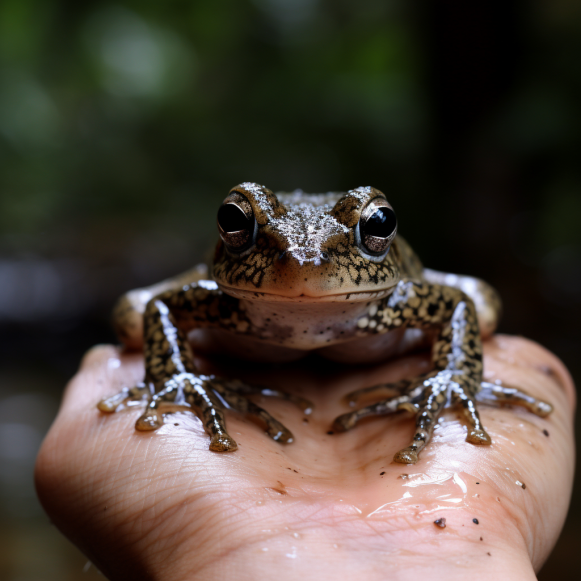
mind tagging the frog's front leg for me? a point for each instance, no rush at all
(171, 375)
(457, 358)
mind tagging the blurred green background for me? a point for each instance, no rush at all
(123, 125)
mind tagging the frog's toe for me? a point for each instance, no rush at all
(408, 455)
(345, 422)
(110, 404)
(478, 437)
(140, 392)
(498, 393)
(429, 405)
(305, 405)
(282, 436)
(223, 443)
(151, 420)
(542, 408)
(404, 385)
(389, 406)
(352, 398)
(242, 388)
(273, 427)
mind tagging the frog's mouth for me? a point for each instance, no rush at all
(352, 297)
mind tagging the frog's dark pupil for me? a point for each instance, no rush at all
(381, 223)
(232, 219)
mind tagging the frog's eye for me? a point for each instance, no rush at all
(377, 227)
(236, 223)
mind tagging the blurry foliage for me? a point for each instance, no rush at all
(118, 119)
(140, 111)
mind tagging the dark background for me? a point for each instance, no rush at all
(123, 126)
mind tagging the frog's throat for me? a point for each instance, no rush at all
(351, 297)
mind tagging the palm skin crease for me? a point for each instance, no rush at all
(159, 505)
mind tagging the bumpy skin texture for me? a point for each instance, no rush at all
(291, 239)
(307, 250)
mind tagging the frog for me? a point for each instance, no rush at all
(295, 274)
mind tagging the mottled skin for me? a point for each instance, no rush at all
(307, 281)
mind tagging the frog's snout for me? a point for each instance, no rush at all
(316, 260)
(304, 258)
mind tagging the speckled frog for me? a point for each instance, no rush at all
(295, 273)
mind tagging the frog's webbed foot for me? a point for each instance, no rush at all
(208, 396)
(426, 396)
(497, 393)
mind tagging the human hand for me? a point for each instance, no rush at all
(156, 506)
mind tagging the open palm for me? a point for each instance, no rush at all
(159, 505)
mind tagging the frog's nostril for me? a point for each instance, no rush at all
(282, 255)
(308, 256)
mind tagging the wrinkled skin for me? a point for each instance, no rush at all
(161, 506)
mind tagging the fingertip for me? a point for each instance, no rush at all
(98, 354)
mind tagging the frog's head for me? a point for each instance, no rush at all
(305, 247)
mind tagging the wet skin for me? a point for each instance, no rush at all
(296, 274)
(156, 506)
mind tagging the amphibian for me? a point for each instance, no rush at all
(295, 273)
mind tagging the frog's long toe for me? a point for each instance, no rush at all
(223, 443)
(407, 386)
(408, 455)
(110, 404)
(305, 405)
(274, 428)
(382, 408)
(506, 394)
(477, 435)
(198, 392)
(432, 403)
(242, 388)
(151, 420)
